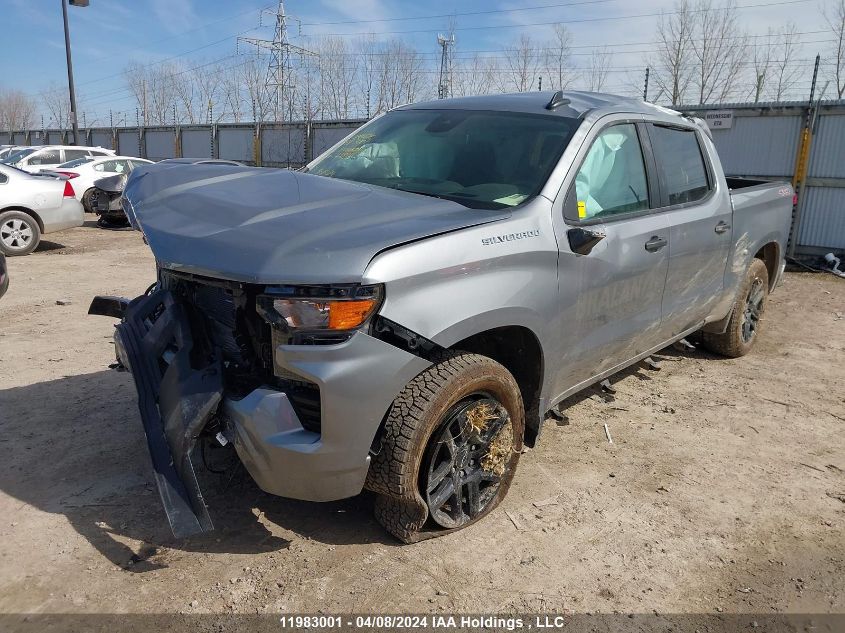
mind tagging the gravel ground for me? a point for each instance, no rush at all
(723, 489)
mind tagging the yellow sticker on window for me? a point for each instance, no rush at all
(582, 209)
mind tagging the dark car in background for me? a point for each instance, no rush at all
(4, 275)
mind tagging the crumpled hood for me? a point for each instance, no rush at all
(278, 226)
(112, 184)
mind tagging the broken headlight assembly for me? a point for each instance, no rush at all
(319, 315)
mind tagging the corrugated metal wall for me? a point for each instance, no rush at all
(196, 143)
(236, 144)
(823, 221)
(759, 146)
(764, 141)
(160, 144)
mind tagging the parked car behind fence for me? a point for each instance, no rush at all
(39, 157)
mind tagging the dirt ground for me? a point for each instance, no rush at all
(723, 489)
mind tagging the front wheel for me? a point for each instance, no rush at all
(89, 200)
(450, 447)
(746, 319)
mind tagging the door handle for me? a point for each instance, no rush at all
(722, 227)
(655, 244)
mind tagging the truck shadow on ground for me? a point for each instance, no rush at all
(76, 448)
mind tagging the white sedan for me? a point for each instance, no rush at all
(31, 205)
(85, 171)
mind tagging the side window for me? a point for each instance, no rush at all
(120, 166)
(45, 157)
(100, 167)
(612, 178)
(97, 153)
(73, 154)
(108, 166)
(678, 153)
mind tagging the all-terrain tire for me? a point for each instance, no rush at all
(416, 413)
(735, 341)
(19, 233)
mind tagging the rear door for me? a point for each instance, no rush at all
(610, 298)
(699, 217)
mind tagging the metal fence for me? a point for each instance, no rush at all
(268, 144)
(758, 140)
(765, 140)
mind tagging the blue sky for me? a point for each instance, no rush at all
(110, 33)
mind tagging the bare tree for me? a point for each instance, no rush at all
(835, 18)
(761, 63)
(339, 76)
(57, 103)
(186, 94)
(785, 70)
(474, 76)
(599, 68)
(252, 75)
(672, 63)
(718, 50)
(206, 79)
(557, 59)
(400, 75)
(17, 110)
(522, 65)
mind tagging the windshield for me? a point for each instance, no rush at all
(481, 159)
(11, 159)
(76, 162)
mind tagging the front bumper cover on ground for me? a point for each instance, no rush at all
(176, 401)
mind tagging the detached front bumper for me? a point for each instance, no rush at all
(358, 379)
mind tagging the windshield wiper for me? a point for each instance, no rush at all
(443, 196)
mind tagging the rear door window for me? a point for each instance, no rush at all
(73, 154)
(681, 163)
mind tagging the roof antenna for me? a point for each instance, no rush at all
(557, 100)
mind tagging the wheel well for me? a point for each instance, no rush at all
(33, 214)
(518, 350)
(770, 256)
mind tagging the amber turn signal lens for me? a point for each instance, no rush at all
(346, 315)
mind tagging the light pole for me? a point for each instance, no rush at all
(73, 121)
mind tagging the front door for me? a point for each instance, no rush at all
(610, 298)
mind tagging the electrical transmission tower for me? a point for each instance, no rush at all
(444, 88)
(279, 84)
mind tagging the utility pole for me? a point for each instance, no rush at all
(444, 86)
(540, 83)
(76, 3)
(278, 84)
(144, 112)
(645, 86)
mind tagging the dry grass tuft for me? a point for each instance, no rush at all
(498, 455)
(479, 416)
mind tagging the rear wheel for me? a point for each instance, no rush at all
(450, 447)
(746, 319)
(19, 233)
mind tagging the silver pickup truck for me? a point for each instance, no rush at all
(403, 313)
